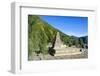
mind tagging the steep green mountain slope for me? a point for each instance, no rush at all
(41, 34)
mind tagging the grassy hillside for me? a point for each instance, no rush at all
(41, 34)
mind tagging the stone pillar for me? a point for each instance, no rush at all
(58, 42)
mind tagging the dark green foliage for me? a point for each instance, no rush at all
(81, 43)
(85, 39)
(76, 42)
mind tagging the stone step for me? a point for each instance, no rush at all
(67, 50)
(62, 54)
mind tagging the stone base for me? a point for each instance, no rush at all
(62, 54)
(67, 51)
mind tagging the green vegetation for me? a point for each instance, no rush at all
(40, 34)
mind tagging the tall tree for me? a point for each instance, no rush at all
(81, 43)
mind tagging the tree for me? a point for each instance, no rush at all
(76, 42)
(81, 43)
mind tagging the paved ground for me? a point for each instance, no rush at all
(84, 54)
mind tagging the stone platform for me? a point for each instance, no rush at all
(67, 51)
(61, 49)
